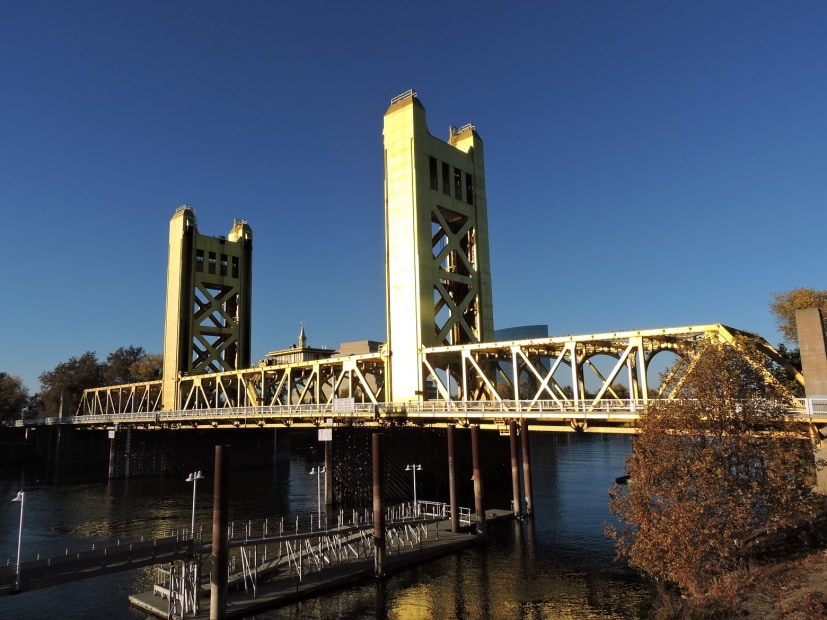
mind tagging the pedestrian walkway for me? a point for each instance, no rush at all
(284, 586)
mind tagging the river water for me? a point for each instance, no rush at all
(556, 565)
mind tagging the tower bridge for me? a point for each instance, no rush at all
(477, 383)
(439, 363)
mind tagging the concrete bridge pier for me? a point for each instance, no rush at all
(114, 470)
(809, 324)
(55, 456)
(281, 452)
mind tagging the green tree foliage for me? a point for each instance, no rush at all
(149, 368)
(73, 376)
(130, 365)
(13, 397)
(125, 365)
(784, 304)
(710, 469)
(34, 408)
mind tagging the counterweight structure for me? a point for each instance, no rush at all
(209, 290)
(436, 230)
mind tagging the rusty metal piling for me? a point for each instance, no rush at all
(479, 506)
(529, 499)
(378, 505)
(516, 502)
(452, 482)
(220, 545)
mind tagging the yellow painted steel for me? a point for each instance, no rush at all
(438, 365)
(309, 392)
(438, 276)
(209, 296)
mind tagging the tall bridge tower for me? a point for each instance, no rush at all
(209, 293)
(438, 275)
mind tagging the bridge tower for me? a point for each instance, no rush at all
(209, 294)
(438, 275)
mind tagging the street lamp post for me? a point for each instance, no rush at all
(318, 471)
(21, 497)
(194, 477)
(414, 468)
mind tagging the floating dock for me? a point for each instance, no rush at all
(284, 586)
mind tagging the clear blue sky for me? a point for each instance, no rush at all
(648, 164)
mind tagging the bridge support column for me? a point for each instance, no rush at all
(328, 477)
(275, 449)
(452, 482)
(281, 453)
(479, 506)
(811, 338)
(56, 453)
(128, 455)
(378, 506)
(516, 501)
(529, 493)
(820, 455)
(220, 544)
(112, 453)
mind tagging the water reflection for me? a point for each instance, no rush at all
(557, 565)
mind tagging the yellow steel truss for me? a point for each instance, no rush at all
(555, 369)
(483, 381)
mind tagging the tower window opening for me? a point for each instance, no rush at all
(223, 264)
(446, 179)
(199, 261)
(235, 266)
(469, 188)
(432, 169)
(211, 263)
(457, 183)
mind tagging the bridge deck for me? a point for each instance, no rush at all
(605, 415)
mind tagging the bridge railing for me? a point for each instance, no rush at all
(812, 407)
(620, 410)
(122, 554)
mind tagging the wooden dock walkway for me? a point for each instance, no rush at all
(286, 587)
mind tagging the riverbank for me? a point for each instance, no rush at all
(794, 588)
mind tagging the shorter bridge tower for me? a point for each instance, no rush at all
(209, 294)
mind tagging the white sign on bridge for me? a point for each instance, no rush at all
(344, 405)
(325, 434)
